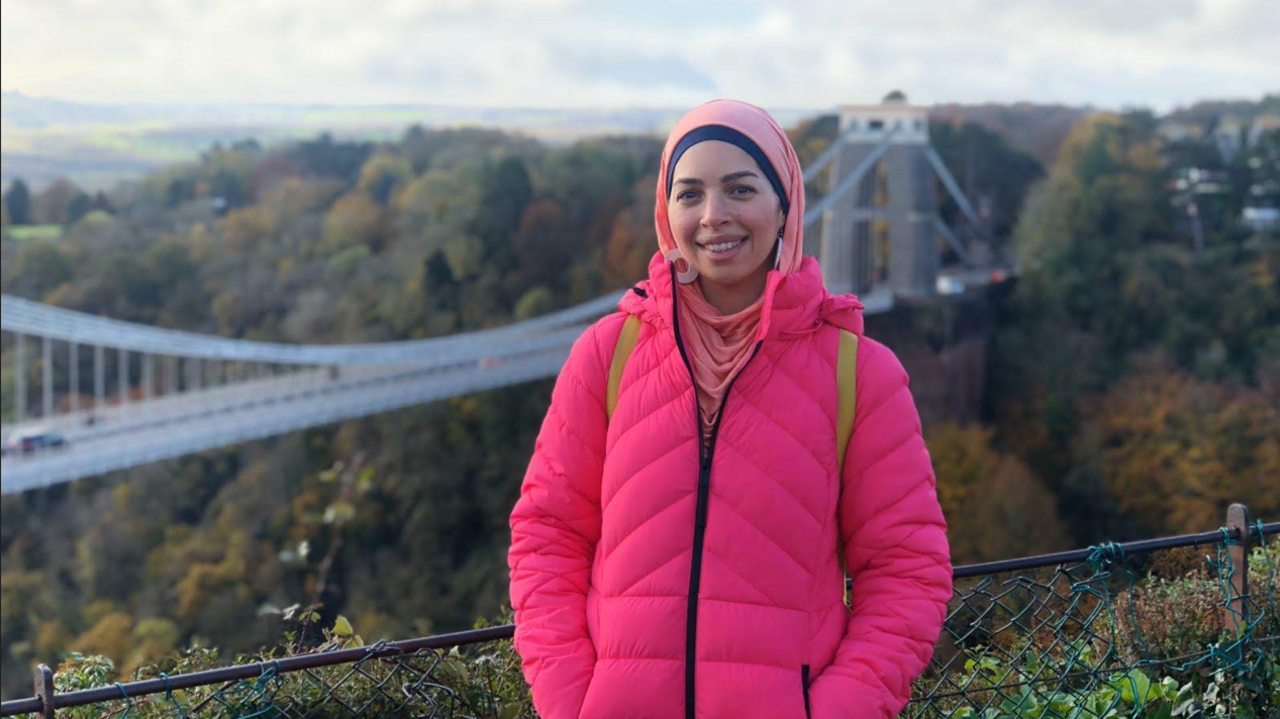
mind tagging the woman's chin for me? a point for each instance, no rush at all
(730, 278)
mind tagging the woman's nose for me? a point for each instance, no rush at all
(715, 211)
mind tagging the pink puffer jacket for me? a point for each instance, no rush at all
(649, 583)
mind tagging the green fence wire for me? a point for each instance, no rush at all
(1097, 638)
(1094, 637)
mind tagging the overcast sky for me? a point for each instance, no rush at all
(606, 53)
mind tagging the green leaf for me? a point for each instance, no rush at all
(1135, 687)
(339, 512)
(456, 668)
(342, 627)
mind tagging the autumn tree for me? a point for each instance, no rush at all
(1173, 451)
(995, 507)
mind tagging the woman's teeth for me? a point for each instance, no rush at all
(724, 246)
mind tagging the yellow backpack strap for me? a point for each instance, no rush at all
(847, 386)
(621, 351)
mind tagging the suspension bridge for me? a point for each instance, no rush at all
(176, 393)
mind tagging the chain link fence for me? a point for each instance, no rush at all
(1064, 636)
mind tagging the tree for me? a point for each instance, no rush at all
(79, 206)
(1078, 310)
(17, 200)
(631, 243)
(39, 267)
(324, 156)
(995, 507)
(383, 175)
(52, 205)
(353, 219)
(542, 253)
(102, 202)
(505, 189)
(1173, 452)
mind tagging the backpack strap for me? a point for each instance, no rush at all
(847, 386)
(846, 402)
(621, 351)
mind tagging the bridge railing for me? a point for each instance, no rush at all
(1066, 635)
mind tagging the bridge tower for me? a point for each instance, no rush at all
(896, 133)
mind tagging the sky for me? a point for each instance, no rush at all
(657, 53)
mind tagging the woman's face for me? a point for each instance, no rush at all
(725, 217)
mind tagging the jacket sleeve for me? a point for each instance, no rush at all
(895, 548)
(554, 530)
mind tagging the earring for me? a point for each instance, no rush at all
(690, 274)
(777, 255)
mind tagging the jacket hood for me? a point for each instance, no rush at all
(795, 304)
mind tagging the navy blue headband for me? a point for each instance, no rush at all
(733, 137)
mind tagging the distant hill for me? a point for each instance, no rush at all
(1209, 112)
(1037, 130)
(96, 144)
(20, 111)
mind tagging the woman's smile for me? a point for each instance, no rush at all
(723, 249)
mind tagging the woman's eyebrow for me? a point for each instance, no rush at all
(727, 178)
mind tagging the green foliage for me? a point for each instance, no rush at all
(39, 267)
(383, 175)
(483, 681)
(1112, 289)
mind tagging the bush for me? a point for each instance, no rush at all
(482, 681)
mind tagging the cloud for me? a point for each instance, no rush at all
(813, 53)
(605, 66)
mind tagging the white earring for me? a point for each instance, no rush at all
(777, 255)
(688, 275)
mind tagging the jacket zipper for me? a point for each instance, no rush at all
(804, 687)
(704, 492)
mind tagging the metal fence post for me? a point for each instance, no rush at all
(1238, 608)
(44, 690)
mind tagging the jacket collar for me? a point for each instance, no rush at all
(796, 304)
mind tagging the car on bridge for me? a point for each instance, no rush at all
(34, 439)
(948, 285)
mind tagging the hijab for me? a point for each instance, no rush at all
(718, 346)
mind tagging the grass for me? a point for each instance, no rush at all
(24, 233)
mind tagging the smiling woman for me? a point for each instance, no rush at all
(728, 227)
(662, 568)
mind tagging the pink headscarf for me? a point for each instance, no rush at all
(719, 345)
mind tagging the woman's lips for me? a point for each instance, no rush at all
(723, 254)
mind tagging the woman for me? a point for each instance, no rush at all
(665, 568)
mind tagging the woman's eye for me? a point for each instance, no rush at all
(687, 195)
(743, 190)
